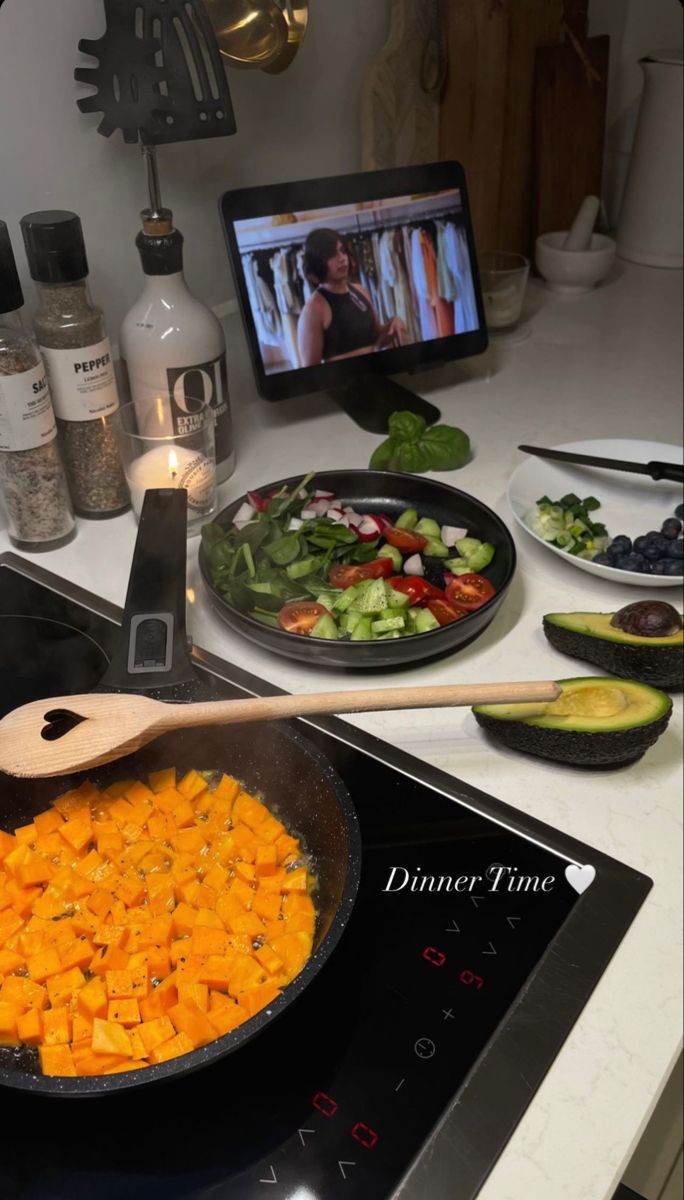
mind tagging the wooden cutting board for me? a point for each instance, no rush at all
(486, 109)
(569, 117)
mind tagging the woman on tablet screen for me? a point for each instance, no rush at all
(338, 320)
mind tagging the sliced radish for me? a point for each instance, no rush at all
(257, 502)
(295, 523)
(414, 565)
(335, 514)
(309, 514)
(318, 495)
(320, 507)
(369, 529)
(451, 535)
(355, 519)
(385, 522)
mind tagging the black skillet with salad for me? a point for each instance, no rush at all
(357, 568)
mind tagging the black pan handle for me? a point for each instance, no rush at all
(151, 653)
(662, 470)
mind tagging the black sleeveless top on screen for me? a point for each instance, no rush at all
(353, 322)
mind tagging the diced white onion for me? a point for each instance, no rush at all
(244, 515)
(295, 523)
(414, 565)
(451, 535)
(324, 495)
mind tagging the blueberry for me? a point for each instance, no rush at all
(676, 549)
(671, 528)
(679, 511)
(628, 562)
(672, 567)
(640, 542)
(604, 560)
(620, 545)
(654, 550)
(659, 567)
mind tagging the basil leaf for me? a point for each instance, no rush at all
(384, 457)
(446, 448)
(406, 426)
(413, 457)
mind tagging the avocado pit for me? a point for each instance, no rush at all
(648, 618)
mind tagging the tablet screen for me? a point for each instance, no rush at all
(329, 285)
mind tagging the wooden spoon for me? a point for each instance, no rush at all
(87, 731)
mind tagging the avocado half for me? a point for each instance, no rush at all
(595, 722)
(591, 636)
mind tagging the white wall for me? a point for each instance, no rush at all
(298, 125)
(636, 28)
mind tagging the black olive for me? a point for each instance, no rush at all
(648, 618)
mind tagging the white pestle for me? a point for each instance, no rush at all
(579, 234)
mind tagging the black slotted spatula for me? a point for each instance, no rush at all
(160, 77)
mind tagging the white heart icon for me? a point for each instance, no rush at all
(580, 878)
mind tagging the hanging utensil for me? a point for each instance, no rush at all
(296, 14)
(160, 77)
(87, 731)
(249, 33)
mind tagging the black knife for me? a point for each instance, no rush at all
(657, 470)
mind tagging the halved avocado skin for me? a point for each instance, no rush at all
(661, 666)
(602, 749)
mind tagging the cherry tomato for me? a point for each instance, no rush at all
(404, 540)
(416, 588)
(445, 612)
(300, 616)
(470, 591)
(344, 577)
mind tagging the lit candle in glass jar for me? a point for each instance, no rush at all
(173, 467)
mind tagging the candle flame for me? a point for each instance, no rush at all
(173, 464)
(191, 596)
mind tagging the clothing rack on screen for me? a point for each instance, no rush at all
(417, 223)
(417, 270)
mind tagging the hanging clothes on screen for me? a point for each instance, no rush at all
(436, 313)
(455, 278)
(263, 303)
(283, 264)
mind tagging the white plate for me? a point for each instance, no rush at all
(630, 504)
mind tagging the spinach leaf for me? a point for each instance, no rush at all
(284, 550)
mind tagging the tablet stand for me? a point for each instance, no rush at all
(370, 402)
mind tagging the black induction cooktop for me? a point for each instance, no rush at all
(404, 1068)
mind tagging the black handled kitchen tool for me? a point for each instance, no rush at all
(657, 470)
(160, 77)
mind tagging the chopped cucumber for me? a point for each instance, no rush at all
(407, 520)
(305, 566)
(468, 546)
(325, 627)
(425, 621)
(392, 553)
(387, 637)
(374, 599)
(428, 528)
(327, 599)
(345, 599)
(435, 549)
(362, 631)
(349, 621)
(397, 599)
(482, 557)
(387, 625)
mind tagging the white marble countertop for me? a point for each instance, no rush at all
(604, 364)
